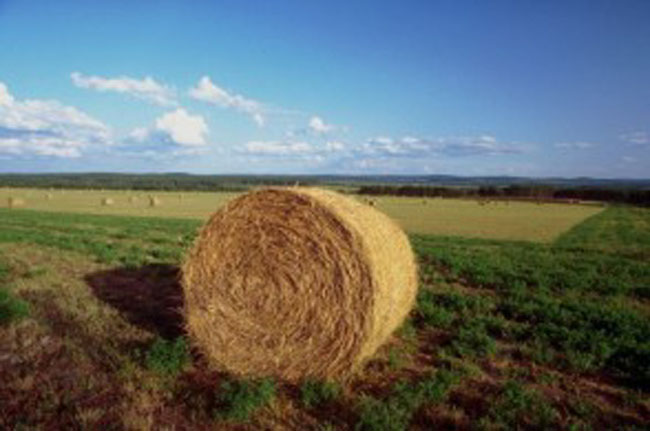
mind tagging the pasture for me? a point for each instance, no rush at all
(527, 331)
(510, 220)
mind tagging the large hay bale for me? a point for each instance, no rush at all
(13, 202)
(295, 283)
(107, 202)
(154, 201)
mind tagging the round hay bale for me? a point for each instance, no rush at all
(107, 202)
(296, 283)
(49, 196)
(13, 202)
(133, 199)
(154, 201)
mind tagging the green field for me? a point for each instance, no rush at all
(505, 334)
(511, 220)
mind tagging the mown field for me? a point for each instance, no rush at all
(511, 220)
(551, 333)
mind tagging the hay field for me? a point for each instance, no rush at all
(504, 335)
(518, 221)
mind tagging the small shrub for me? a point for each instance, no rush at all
(168, 357)
(241, 398)
(314, 393)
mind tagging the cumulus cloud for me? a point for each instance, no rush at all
(183, 128)
(316, 124)
(46, 128)
(638, 138)
(174, 134)
(145, 89)
(412, 147)
(209, 92)
(5, 97)
(580, 145)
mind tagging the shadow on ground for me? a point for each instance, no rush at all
(150, 296)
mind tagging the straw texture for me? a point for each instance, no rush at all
(295, 283)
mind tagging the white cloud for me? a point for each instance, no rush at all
(5, 97)
(145, 89)
(46, 128)
(276, 148)
(580, 145)
(638, 138)
(334, 146)
(183, 128)
(448, 146)
(317, 125)
(209, 92)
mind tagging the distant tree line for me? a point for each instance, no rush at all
(640, 197)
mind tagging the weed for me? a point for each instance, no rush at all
(167, 357)
(396, 412)
(241, 398)
(314, 392)
(473, 340)
(11, 308)
(519, 408)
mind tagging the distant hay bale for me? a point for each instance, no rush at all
(13, 202)
(49, 196)
(295, 283)
(107, 202)
(154, 201)
(133, 199)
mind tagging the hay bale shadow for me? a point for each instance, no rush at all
(150, 296)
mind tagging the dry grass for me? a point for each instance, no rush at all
(525, 221)
(297, 283)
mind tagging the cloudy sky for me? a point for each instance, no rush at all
(533, 88)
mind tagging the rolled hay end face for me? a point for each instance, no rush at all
(13, 202)
(296, 283)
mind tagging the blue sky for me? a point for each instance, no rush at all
(533, 88)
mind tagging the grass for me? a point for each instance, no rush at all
(240, 399)
(397, 411)
(167, 357)
(505, 335)
(314, 393)
(11, 308)
(498, 220)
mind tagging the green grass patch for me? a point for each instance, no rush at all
(240, 399)
(518, 408)
(168, 357)
(130, 241)
(314, 393)
(397, 410)
(11, 307)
